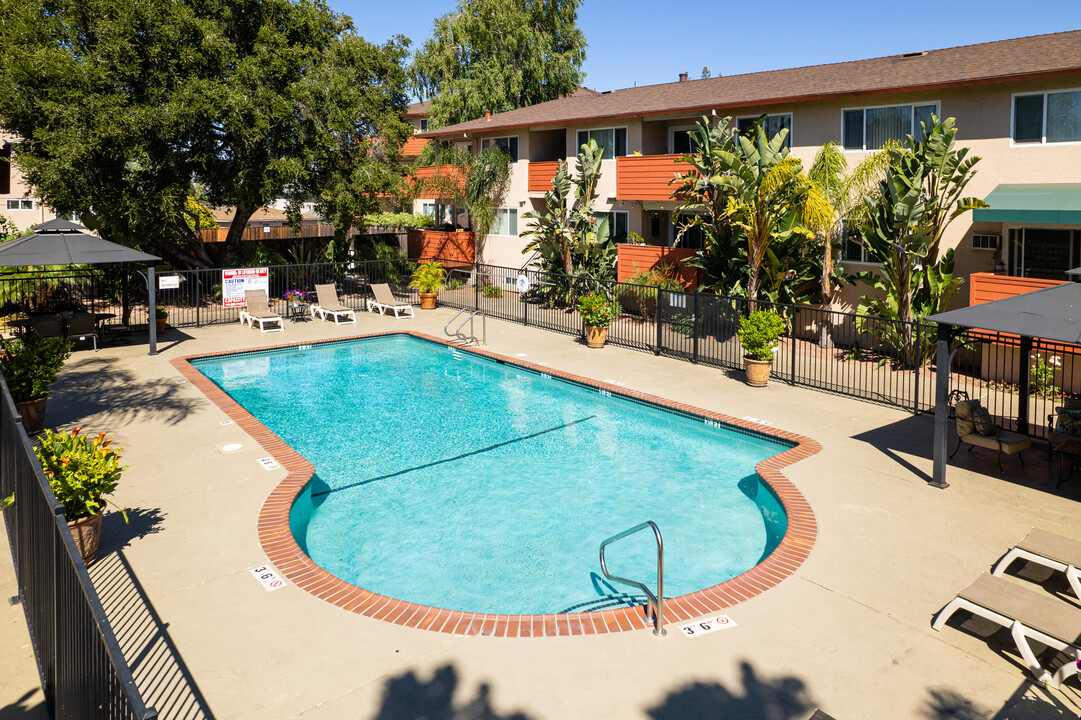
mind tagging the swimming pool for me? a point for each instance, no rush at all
(506, 513)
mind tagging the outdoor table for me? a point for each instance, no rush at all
(297, 312)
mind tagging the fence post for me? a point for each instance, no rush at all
(1023, 385)
(792, 350)
(694, 329)
(198, 297)
(918, 366)
(660, 337)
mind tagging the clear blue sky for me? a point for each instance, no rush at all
(652, 42)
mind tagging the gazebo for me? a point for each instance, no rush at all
(1052, 313)
(63, 242)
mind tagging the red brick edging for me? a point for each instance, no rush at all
(284, 553)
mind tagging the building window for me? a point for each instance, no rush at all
(424, 124)
(682, 144)
(852, 247)
(985, 242)
(5, 168)
(871, 128)
(692, 237)
(506, 222)
(1043, 252)
(23, 204)
(509, 145)
(1053, 117)
(613, 140)
(617, 224)
(427, 208)
(772, 124)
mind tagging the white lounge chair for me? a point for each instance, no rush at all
(1029, 615)
(257, 311)
(1049, 550)
(328, 305)
(385, 300)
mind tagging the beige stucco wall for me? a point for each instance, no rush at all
(23, 219)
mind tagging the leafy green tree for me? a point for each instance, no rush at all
(568, 234)
(498, 55)
(121, 107)
(920, 195)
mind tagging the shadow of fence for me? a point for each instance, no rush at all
(159, 670)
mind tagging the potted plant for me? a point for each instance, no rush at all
(597, 313)
(758, 333)
(30, 366)
(428, 279)
(160, 314)
(81, 470)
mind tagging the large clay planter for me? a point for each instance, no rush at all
(595, 336)
(160, 322)
(427, 300)
(87, 534)
(757, 371)
(33, 412)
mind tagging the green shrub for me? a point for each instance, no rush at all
(429, 277)
(493, 291)
(642, 300)
(30, 365)
(758, 333)
(81, 470)
(455, 284)
(402, 219)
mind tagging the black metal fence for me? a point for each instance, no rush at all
(839, 352)
(83, 672)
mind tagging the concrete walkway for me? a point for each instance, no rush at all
(849, 632)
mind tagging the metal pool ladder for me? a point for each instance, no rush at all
(471, 338)
(654, 601)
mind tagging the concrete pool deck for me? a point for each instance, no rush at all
(849, 632)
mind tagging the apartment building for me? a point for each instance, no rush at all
(17, 202)
(1017, 105)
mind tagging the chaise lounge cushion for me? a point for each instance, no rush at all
(1069, 421)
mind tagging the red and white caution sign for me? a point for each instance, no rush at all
(703, 627)
(268, 578)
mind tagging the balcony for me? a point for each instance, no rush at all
(541, 174)
(413, 145)
(439, 182)
(646, 177)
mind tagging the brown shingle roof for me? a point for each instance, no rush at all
(1002, 61)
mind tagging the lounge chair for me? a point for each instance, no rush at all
(257, 311)
(385, 300)
(1049, 550)
(1028, 615)
(83, 326)
(970, 432)
(47, 325)
(328, 305)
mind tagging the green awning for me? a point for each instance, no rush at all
(1046, 203)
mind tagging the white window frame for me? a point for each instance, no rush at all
(612, 225)
(613, 128)
(422, 125)
(865, 258)
(672, 136)
(1043, 133)
(865, 108)
(491, 142)
(21, 204)
(791, 123)
(504, 210)
(424, 204)
(997, 245)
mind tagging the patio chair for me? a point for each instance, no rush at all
(1029, 615)
(974, 428)
(257, 311)
(1058, 421)
(47, 325)
(83, 327)
(385, 300)
(1049, 550)
(328, 305)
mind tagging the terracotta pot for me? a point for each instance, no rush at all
(160, 322)
(33, 412)
(757, 371)
(427, 300)
(87, 534)
(595, 336)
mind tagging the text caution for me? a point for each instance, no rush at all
(269, 463)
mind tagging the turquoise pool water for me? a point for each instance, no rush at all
(452, 480)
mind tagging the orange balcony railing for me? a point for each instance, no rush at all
(541, 174)
(439, 182)
(646, 177)
(413, 146)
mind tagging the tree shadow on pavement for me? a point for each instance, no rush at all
(1029, 702)
(409, 697)
(780, 698)
(104, 385)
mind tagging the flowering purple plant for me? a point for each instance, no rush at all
(295, 296)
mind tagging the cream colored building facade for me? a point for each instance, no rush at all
(17, 201)
(991, 90)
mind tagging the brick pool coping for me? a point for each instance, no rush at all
(283, 552)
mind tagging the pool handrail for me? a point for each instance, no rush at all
(654, 601)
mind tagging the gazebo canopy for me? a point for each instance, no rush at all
(1052, 313)
(62, 242)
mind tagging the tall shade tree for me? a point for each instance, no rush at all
(123, 107)
(498, 55)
